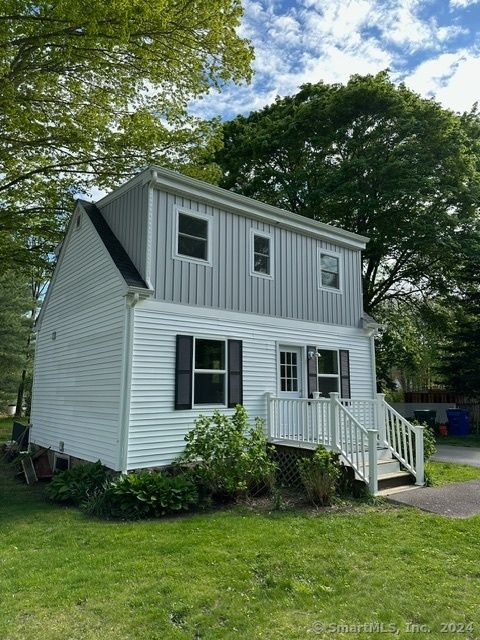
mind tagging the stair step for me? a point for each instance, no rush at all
(394, 474)
(393, 490)
(395, 479)
(388, 466)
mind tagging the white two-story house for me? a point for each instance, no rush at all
(172, 297)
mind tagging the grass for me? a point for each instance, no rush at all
(6, 425)
(441, 473)
(233, 573)
(473, 440)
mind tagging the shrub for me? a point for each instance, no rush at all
(320, 475)
(429, 443)
(76, 484)
(144, 494)
(229, 456)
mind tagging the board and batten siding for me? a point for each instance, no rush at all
(77, 380)
(127, 217)
(227, 284)
(156, 432)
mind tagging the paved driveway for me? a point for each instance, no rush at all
(459, 500)
(459, 455)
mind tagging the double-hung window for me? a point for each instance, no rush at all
(261, 254)
(209, 372)
(330, 272)
(192, 236)
(327, 371)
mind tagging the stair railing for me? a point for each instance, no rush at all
(404, 440)
(354, 442)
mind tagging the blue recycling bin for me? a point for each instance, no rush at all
(458, 422)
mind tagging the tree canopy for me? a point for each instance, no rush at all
(459, 361)
(90, 92)
(374, 158)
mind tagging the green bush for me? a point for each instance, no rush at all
(229, 457)
(76, 484)
(144, 494)
(320, 476)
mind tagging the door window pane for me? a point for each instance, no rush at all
(288, 371)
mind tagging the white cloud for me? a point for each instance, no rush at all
(463, 3)
(330, 40)
(450, 79)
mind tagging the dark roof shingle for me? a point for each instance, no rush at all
(118, 254)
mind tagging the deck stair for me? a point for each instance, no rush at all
(391, 477)
(383, 448)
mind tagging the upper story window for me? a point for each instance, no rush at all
(330, 272)
(192, 240)
(261, 254)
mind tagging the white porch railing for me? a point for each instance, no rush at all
(404, 440)
(354, 428)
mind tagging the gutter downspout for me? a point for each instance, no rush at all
(124, 422)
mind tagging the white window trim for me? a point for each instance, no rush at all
(330, 375)
(263, 234)
(177, 210)
(222, 371)
(302, 370)
(334, 254)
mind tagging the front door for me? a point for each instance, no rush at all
(290, 379)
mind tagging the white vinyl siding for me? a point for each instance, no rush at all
(156, 434)
(76, 394)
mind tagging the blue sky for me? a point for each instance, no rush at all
(431, 45)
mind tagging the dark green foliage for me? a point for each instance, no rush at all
(14, 330)
(429, 442)
(76, 484)
(372, 157)
(230, 457)
(460, 358)
(320, 476)
(144, 494)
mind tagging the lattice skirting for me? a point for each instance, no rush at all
(286, 459)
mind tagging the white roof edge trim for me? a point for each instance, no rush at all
(239, 203)
(166, 178)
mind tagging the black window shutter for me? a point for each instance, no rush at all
(312, 371)
(235, 373)
(344, 374)
(183, 372)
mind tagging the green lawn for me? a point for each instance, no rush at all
(445, 473)
(5, 428)
(234, 573)
(473, 440)
(6, 425)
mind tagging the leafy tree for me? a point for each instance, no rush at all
(407, 351)
(14, 332)
(374, 158)
(460, 357)
(90, 92)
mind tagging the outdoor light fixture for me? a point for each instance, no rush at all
(313, 354)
